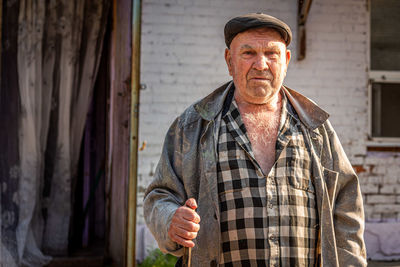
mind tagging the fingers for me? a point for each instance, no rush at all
(191, 203)
(182, 232)
(183, 242)
(186, 219)
(185, 224)
(189, 215)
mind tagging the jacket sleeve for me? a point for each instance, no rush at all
(166, 193)
(348, 211)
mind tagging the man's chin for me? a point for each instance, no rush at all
(261, 90)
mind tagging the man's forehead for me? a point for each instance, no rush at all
(268, 45)
(260, 36)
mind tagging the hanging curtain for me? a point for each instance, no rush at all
(58, 48)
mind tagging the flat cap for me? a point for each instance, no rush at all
(255, 20)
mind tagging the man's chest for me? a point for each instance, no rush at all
(263, 145)
(276, 208)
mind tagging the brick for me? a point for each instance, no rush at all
(390, 189)
(382, 208)
(359, 169)
(391, 180)
(357, 160)
(369, 188)
(376, 217)
(389, 216)
(380, 199)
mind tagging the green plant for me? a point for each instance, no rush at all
(157, 259)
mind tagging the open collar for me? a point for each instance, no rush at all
(309, 113)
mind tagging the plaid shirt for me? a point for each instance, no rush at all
(266, 220)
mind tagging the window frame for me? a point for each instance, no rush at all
(378, 76)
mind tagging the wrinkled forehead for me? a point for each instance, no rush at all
(261, 36)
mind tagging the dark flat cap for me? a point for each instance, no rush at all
(255, 20)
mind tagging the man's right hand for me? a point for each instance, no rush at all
(185, 224)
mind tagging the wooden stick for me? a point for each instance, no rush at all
(187, 257)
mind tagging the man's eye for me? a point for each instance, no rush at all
(248, 53)
(272, 54)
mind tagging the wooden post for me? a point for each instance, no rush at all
(302, 14)
(118, 131)
(134, 134)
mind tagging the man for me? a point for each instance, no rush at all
(254, 174)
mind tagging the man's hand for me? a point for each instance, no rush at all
(185, 224)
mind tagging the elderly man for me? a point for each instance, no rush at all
(254, 174)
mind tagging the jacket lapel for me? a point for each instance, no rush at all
(309, 113)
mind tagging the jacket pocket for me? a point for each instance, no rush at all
(330, 178)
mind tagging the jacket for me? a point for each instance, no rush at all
(187, 169)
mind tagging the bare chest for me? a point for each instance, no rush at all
(262, 131)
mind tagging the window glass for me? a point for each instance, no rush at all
(386, 109)
(385, 35)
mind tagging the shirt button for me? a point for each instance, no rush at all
(272, 238)
(270, 205)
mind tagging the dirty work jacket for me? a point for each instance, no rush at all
(187, 169)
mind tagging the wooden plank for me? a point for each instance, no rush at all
(134, 134)
(304, 9)
(302, 15)
(118, 130)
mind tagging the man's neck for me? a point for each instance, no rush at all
(272, 105)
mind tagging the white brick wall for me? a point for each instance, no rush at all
(182, 61)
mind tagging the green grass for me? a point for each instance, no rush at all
(157, 259)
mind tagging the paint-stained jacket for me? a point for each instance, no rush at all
(187, 168)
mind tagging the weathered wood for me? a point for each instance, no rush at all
(302, 15)
(118, 130)
(134, 133)
(301, 42)
(304, 9)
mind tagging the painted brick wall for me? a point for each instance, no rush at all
(182, 61)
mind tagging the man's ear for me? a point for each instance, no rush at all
(288, 57)
(228, 60)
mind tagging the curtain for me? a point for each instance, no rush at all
(57, 54)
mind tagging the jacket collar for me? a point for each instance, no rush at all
(309, 113)
(211, 105)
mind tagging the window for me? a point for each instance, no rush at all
(384, 74)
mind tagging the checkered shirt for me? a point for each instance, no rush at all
(266, 220)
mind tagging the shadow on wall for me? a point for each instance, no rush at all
(145, 242)
(383, 241)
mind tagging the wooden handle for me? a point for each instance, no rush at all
(187, 253)
(187, 257)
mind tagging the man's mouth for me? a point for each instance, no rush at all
(260, 78)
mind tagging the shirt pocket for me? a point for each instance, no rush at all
(300, 169)
(246, 192)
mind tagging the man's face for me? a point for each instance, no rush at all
(257, 60)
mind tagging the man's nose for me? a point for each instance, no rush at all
(261, 63)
